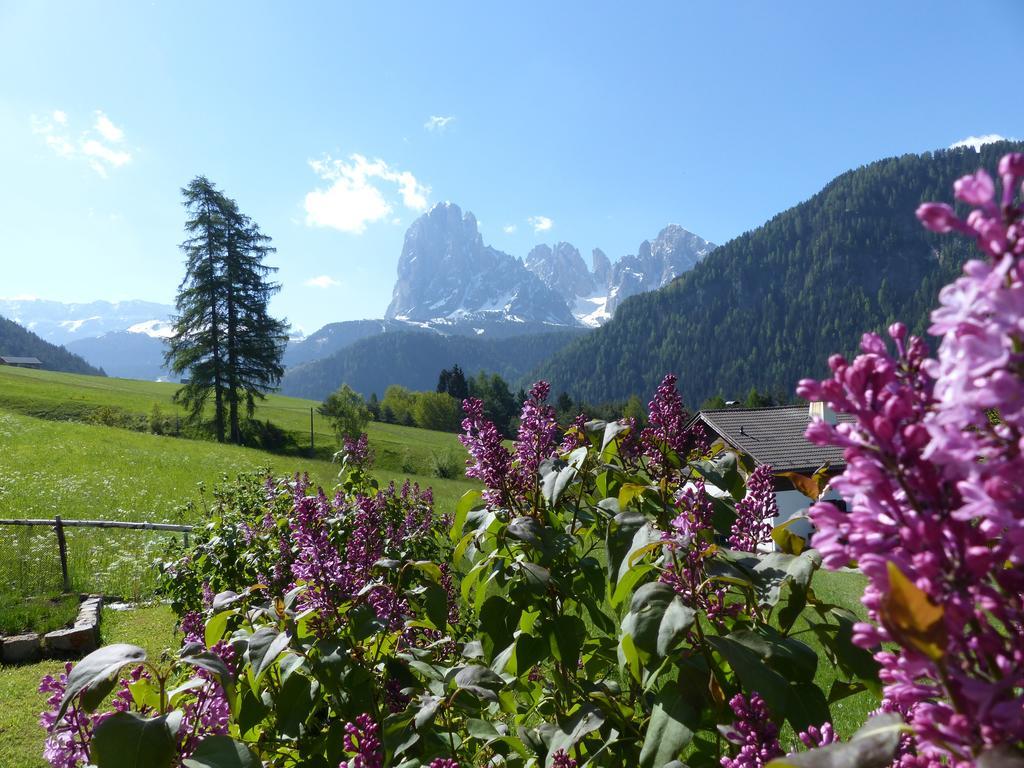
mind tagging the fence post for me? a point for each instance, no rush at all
(62, 545)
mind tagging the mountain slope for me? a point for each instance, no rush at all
(125, 354)
(770, 306)
(16, 341)
(414, 359)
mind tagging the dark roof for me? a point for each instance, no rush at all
(7, 360)
(773, 436)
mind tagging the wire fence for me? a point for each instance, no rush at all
(44, 557)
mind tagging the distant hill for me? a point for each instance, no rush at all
(414, 359)
(19, 342)
(125, 354)
(770, 306)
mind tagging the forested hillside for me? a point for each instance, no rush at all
(770, 306)
(16, 341)
(413, 359)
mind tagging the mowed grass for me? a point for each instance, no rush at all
(21, 736)
(76, 397)
(83, 471)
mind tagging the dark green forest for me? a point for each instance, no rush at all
(20, 342)
(413, 359)
(768, 308)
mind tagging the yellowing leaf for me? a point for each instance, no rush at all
(628, 492)
(911, 617)
(810, 487)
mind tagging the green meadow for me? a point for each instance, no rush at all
(55, 460)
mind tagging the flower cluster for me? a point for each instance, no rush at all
(67, 741)
(362, 741)
(689, 546)
(753, 732)
(756, 512)
(668, 430)
(933, 480)
(511, 479)
(489, 460)
(561, 759)
(356, 451)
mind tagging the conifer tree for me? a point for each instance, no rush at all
(224, 336)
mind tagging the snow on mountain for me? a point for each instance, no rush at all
(62, 323)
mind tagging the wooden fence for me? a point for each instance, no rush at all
(59, 525)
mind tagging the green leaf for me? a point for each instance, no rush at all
(216, 627)
(667, 731)
(527, 530)
(435, 600)
(222, 752)
(873, 746)
(95, 675)
(469, 501)
(568, 732)
(807, 706)
(753, 673)
(789, 542)
(481, 681)
(1002, 756)
(566, 635)
(630, 491)
(556, 475)
(127, 740)
(264, 648)
(723, 472)
(657, 619)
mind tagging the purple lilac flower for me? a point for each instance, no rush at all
(815, 737)
(207, 712)
(576, 435)
(688, 545)
(561, 759)
(443, 762)
(317, 562)
(67, 742)
(667, 429)
(357, 451)
(756, 512)
(363, 742)
(489, 461)
(753, 731)
(934, 486)
(192, 627)
(538, 434)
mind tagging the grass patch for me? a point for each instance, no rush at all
(19, 615)
(21, 737)
(104, 473)
(129, 404)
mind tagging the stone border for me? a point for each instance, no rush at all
(75, 641)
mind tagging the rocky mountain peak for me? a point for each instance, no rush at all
(446, 274)
(561, 268)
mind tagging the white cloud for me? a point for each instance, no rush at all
(976, 142)
(540, 223)
(107, 129)
(352, 199)
(92, 145)
(322, 281)
(438, 122)
(509, 229)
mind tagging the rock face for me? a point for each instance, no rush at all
(448, 279)
(562, 269)
(446, 274)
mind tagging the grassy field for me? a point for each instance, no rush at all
(54, 459)
(75, 397)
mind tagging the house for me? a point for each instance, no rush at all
(21, 362)
(775, 436)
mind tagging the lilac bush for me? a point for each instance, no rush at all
(933, 480)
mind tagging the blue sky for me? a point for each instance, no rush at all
(334, 125)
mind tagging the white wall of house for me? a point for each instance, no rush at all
(795, 503)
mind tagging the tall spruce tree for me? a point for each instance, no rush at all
(224, 336)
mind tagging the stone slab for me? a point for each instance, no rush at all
(21, 648)
(76, 641)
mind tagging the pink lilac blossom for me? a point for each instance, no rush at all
(815, 737)
(362, 740)
(753, 732)
(667, 429)
(489, 461)
(68, 741)
(538, 435)
(207, 712)
(934, 486)
(688, 552)
(756, 512)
